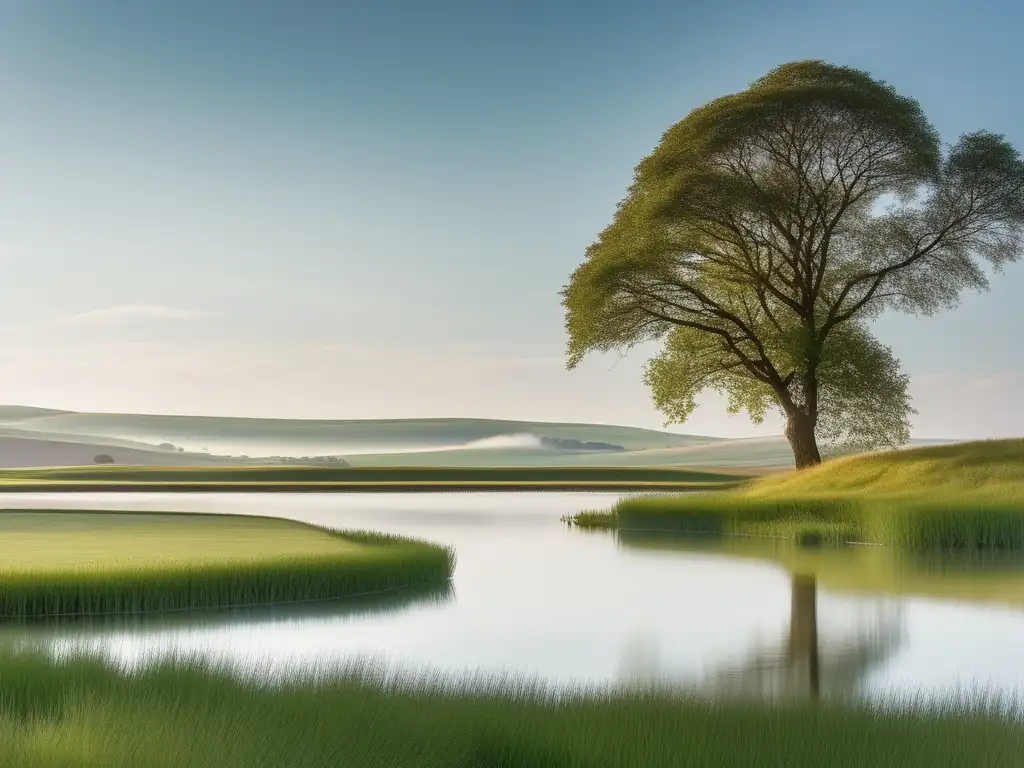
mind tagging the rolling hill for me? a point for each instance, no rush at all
(46, 437)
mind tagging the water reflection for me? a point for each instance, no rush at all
(978, 576)
(532, 597)
(802, 662)
(351, 608)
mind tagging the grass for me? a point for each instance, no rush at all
(81, 712)
(968, 495)
(73, 563)
(105, 478)
(595, 519)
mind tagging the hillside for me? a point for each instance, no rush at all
(362, 436)
(16, 452)
(45, 437)
(990, 468)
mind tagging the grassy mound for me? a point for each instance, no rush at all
(967, 495)
(73, 563)
(83, 713)
(991, 469)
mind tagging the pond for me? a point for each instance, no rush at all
(532, 597)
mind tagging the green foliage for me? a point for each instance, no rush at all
(181, 714)
(751, 241)
(150, 565)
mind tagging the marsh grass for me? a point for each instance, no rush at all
(72, 563)
(81, 712)
(965, 496)
(591, 519)
(950, 523)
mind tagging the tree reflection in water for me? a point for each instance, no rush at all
(807, 661)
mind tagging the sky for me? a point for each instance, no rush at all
(367, 209)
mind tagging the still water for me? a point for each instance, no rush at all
(532, 597)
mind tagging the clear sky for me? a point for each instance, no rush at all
(366, 209)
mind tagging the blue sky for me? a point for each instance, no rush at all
(366, 209)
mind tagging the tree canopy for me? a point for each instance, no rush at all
(769, 227)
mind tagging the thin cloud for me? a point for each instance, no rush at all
(130, 312)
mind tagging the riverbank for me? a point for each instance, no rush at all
(57, 563)
(361, 479)
(968, 495)
(82, 712)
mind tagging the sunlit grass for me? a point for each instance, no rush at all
(969, 495)
(78, 712)
(66, 563)
(991, 470)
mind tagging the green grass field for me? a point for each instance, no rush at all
(966, 495)
(80, 712)
(100, 478)
(73, 563)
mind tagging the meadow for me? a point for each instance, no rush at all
(77, 563)
(266, 478)
(81, 712)
(967, 495)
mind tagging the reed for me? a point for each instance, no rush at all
(966, 496)
(72, 563)
(182, 714)
(596, 519)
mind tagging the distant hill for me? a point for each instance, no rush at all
(47, 437)
(360, 436)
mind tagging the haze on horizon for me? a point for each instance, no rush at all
(290, 210)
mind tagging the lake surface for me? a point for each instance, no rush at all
(532, 597)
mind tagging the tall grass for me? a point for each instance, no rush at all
(80, 712)
(964, 496)
(949, 523)
(259, 561)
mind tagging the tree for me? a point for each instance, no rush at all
(769, 227)
(103, 458)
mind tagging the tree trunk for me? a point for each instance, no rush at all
(800, 433)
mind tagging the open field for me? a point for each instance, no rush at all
(965, 495)
(70, 563)
(80, 712)
(114, 478)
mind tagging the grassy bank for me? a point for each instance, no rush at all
(966, 495)
(70, 563)
(360, 479)
(82, 713)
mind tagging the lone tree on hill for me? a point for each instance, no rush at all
(770, 226)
